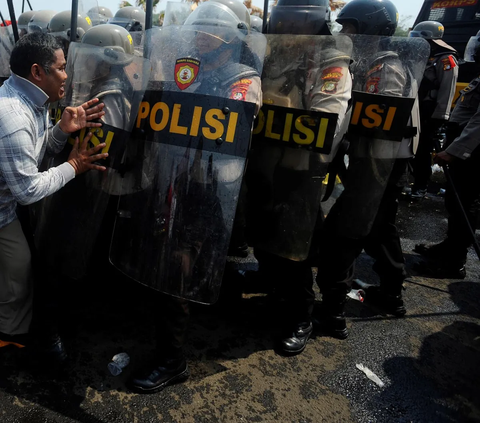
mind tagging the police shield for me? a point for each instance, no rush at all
(306, 91)
(69, 222)
(6, 47)
(384, 124)
(195, 124)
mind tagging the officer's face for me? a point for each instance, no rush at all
(348, 28)
(206, 43)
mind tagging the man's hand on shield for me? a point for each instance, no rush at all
(81, 158)
(76, 118)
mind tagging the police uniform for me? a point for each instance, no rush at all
(238, 82)
(462, 142)
(435, 95)
(363, 217)
(327, 89)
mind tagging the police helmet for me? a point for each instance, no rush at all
(40, 20)
(370, 17)
(430, 30)
(308, 17)
(99, 15)
(220, 14)
(256, 23)
(472, 51)
(131, 18)
(60, 24)
(117, 41)
(24, 19)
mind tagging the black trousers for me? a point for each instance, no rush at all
(339, 252)
(293, 281)
(466, 179)
(422, 162)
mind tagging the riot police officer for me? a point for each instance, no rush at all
(285, 182)
(59, 27)
(462, 155)
(99, 15)
(435, 95)
(22, 22)
(363, 217)
(192, 196)
(131, 18)
(40, 20)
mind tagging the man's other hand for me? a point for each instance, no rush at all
(82, 158)
(76, 118)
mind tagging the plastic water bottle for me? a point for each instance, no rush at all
(357, 294)
(118, 363)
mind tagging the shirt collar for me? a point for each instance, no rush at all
(29, 90)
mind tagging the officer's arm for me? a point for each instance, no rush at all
(463, 146)
(447, 74)
(332, 94)
(248, 89)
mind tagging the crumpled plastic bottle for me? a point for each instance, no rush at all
(118, 363)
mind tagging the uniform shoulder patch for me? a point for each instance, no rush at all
(448, 63)
(332, 73)
(372, 85)
(375, 69)
(239, 89)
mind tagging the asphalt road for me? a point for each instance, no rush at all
(429, 361)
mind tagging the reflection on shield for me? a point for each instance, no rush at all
(292, 144)
(174, 235)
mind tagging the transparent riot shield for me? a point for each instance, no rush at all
(384, 124)
(195, 125)
(176, 13)
(306, 92)
(69, 222)
(6, 47)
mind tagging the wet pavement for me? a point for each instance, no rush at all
(429, 361)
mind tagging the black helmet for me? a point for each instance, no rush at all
(370, 17)
(308, 17)
(430, 30)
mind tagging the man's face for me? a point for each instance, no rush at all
(348, 28)
(54, 82)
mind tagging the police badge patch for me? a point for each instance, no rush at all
(186, 71)
(372, 85)
(330, 77)
(240, 89)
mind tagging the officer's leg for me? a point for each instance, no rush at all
(422, 163)
(169, 365)
(293, 283)
(465, 176)
(336, 266)
(383, 244)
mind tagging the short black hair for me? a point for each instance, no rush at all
(33, 48)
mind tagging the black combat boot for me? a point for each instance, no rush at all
(389, 299)
(330, 317)
(164, 373)
(296, 341)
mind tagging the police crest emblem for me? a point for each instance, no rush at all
(186, 71)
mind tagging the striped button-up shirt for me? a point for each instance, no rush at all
(25, 136)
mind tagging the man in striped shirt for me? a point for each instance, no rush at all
(37, 78)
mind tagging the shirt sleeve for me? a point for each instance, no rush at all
(56, 140)
(463, 146)
(19, 167)
(332, 92)
(447, 74)
(248, 89)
